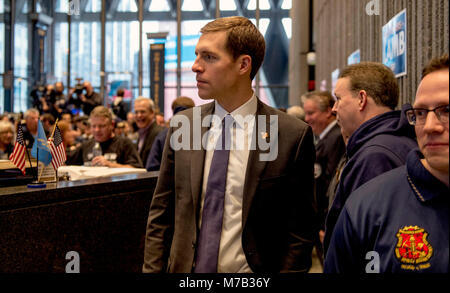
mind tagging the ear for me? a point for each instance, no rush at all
(362, 100)
(329, 112)
(245, 64)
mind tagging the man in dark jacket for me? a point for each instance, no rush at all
(379, 138)
(329, 149)
(148, 128)
(154, 158)
(398, 222)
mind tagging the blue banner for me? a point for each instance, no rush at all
(40, 142)
(395, 45)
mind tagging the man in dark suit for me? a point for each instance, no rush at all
(329, 149)
(264, 202)
(148, 128)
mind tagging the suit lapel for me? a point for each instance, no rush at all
(198, 156)
(255, 166)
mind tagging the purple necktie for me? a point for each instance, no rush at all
(211, 226)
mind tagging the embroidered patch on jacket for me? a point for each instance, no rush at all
(413, 249)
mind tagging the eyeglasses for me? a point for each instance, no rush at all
(418, 116)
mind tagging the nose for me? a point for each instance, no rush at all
(334, 110)
(196, 66)
(307, 119)
(432, 123)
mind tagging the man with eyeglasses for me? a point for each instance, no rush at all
(105, 148)
(398, 222)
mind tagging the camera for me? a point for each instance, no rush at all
(79, 88)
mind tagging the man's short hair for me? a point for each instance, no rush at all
(185, 102)
(6, 125)
(150, 102)
(29, 112)
(242, 38)
(436, 64)
(48, 117)
(376, 79)
(101, 111)
(296, 111)
(324, 99)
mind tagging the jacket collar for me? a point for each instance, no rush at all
(425, 186)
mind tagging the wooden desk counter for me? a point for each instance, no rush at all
(102, 219)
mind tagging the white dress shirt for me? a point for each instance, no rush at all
(231, 254)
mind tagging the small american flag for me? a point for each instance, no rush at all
(18, 155)
(57, 149)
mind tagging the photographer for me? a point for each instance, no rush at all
(83, 96)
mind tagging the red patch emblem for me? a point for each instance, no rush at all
(413, 249)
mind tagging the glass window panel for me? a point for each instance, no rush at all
(263, 24)
(62, 6)
(127, 6)
(2, 47)
(287, 4)
(85, 52)
(94, 6)
(227, 5)
(192, 5)
(20, 95)
(25, 8)
(263, 5)
(122, 59)
(21, 37)
(60, 51)
(2, 95)
(159, 5)
(2, 6)
(287, 24)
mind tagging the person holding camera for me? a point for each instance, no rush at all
(83, 96)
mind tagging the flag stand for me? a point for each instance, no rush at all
(36, 183)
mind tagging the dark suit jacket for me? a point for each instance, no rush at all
(329, 151)
(151, 134)
(278, 229)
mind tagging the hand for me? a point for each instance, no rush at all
(100, 161)
(321, 236)
(83, 98)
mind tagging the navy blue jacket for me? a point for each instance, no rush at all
(401, 215)
(154, 157)
(377, 146)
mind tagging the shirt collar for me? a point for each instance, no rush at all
(143, 131)
(248, 108)
(327, 129)
(423, 183)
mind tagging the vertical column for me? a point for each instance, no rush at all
(102, 53)
(298, 48)
(217, 8)
(179, 35)
(8, 77)
(69, 33)
(140, 69)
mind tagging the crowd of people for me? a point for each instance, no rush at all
(93, 135)
(352, 176)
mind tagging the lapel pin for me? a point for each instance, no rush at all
(264, 135)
